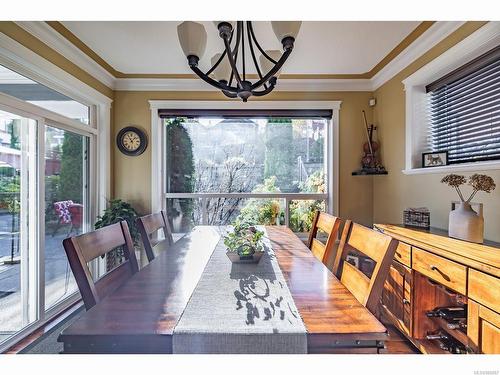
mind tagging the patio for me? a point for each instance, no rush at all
(56, 271)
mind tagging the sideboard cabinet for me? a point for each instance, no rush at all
(431, 270)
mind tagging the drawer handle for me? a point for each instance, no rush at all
(443, 275)
(405, 301)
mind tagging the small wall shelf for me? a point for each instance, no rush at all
(363, 172)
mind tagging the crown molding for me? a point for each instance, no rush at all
(436, 33)
(42, 31)
(479, 42)
(165, 84)
(24, 61)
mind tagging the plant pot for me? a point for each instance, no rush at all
(465, 223)
(234, 257)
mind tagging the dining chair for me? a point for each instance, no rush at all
(328, 224)
(82, 249)
(148, 226)
(372, 244)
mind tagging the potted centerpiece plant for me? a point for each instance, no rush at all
(245, 243)
(464, 222)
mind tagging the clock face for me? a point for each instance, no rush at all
(131, 141)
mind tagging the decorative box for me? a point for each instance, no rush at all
(417, 217)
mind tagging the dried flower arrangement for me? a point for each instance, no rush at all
(479, 182)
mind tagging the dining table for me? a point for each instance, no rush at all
(192, 299)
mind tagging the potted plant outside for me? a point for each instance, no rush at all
(116, 212)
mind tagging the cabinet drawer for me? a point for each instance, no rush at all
(444, 271)
(484, 289)
(483, 328)
(403, 254)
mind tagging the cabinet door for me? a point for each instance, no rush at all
(483, 328)
(396, 296)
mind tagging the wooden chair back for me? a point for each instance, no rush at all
(149, 225)
(328, 224)
(375, 245)
(82, 249)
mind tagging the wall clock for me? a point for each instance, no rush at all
(131, 141)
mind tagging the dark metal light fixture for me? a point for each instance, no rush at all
(193, 40)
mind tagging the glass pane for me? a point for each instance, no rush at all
(14, 84)
(181, 213)
(66, 202)
(186, 213)
(244, 155)
(302, 214)
(17, 187)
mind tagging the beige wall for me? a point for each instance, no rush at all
(132, 175)
(396, 191)
(364, 199)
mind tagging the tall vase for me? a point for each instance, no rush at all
(465, 223)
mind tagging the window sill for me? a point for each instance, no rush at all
(466, 167)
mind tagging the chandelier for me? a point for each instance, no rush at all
(224, 73)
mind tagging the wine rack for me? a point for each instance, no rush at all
(447, 343)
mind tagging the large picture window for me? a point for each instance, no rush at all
(264, 169)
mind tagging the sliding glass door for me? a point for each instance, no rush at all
(47, 141)
(18, 209)
(66, 207)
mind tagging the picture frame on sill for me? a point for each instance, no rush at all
(434, 159)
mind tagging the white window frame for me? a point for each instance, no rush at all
(18, 58)
(158, 190)
(417, 123)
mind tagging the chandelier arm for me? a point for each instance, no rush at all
(274, 70)
(216, 64)
(253, 52)
(223, 54)
(264, 92)
(231, 76)
(233, 58)
(272, 83)
(213, 82)
(243, 52)
(232, 62)
(258, 45)
(230, 94)
(238, 38)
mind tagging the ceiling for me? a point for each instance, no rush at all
(348, 47)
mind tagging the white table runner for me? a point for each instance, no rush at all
(240, 308)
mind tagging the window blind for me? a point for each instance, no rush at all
(464, 111)
(250, 113)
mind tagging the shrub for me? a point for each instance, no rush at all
(116, 212)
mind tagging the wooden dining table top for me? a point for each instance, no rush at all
(140, 316)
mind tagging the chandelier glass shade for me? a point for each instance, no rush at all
(239, 40)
